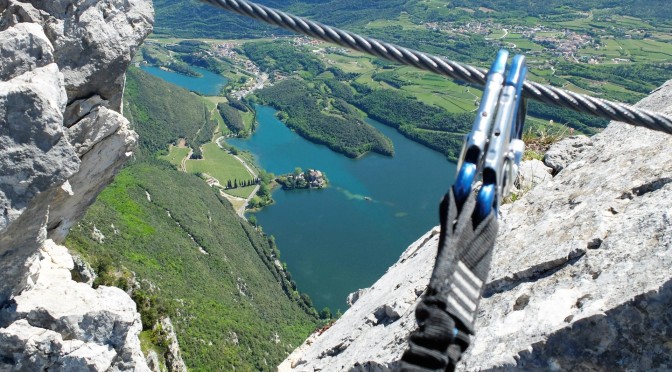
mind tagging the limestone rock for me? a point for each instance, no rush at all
(63, 325)
(581, 276)
(36, 152)
(153, 361)
(376, 326)
(532, 173)
(82, 272)
(32, 348)
(35, 159)
(564, 152)
(23, 48)
(54, 159)
(94, 41)
(174, 355)
(62, 139)
(354, 296)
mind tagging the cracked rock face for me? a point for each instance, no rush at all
(62, 140)
(91, 330)
(61, 137)
(581, 276)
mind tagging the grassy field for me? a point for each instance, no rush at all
(222, 166)
(175, 155)
(211, 103)
(248, 120)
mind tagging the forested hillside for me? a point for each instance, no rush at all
(194, 19)
(217, 277)
(162, 113)
(331, 121)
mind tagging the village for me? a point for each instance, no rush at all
(555, 42)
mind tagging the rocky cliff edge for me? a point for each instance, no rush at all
(581, 277)
(62, 139)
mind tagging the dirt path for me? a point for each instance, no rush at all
(183, 163)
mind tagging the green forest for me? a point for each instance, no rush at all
(162, 119)
(308, 109)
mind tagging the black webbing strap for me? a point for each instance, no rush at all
(447, 312)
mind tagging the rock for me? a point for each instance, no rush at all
(60, 324)
(97, 235)
(376, 326)
(153, 361)
(36, 159)
(97, 169)
(581, 276)
(173, 355)
(36, 152)
(532, 173)
(62, 140)
(82, 272)
(565, 151)
(54, 160)
(354, 296)
(23, 48)
(93, 41)
(25, 347)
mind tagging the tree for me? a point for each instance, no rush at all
(235, 184)
(325, 313)
(306, 299)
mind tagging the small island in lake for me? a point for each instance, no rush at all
(310, 179)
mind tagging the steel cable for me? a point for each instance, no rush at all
(439, 65)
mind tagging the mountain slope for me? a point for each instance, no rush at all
(162, 112)
(228, 308)
(197, 262)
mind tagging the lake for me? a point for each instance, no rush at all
(343, 238)
(210, 84)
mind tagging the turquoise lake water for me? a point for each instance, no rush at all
(335, 241)
(210, 84)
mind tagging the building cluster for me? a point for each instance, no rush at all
(228, 50)
(305, 41)
(562, 43)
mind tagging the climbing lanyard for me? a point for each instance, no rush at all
(490, 156)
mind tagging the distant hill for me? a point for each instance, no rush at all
(151, 106)
(193, 19)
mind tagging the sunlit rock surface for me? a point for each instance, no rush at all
(62, 140)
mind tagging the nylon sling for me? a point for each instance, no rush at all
(447, 312)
